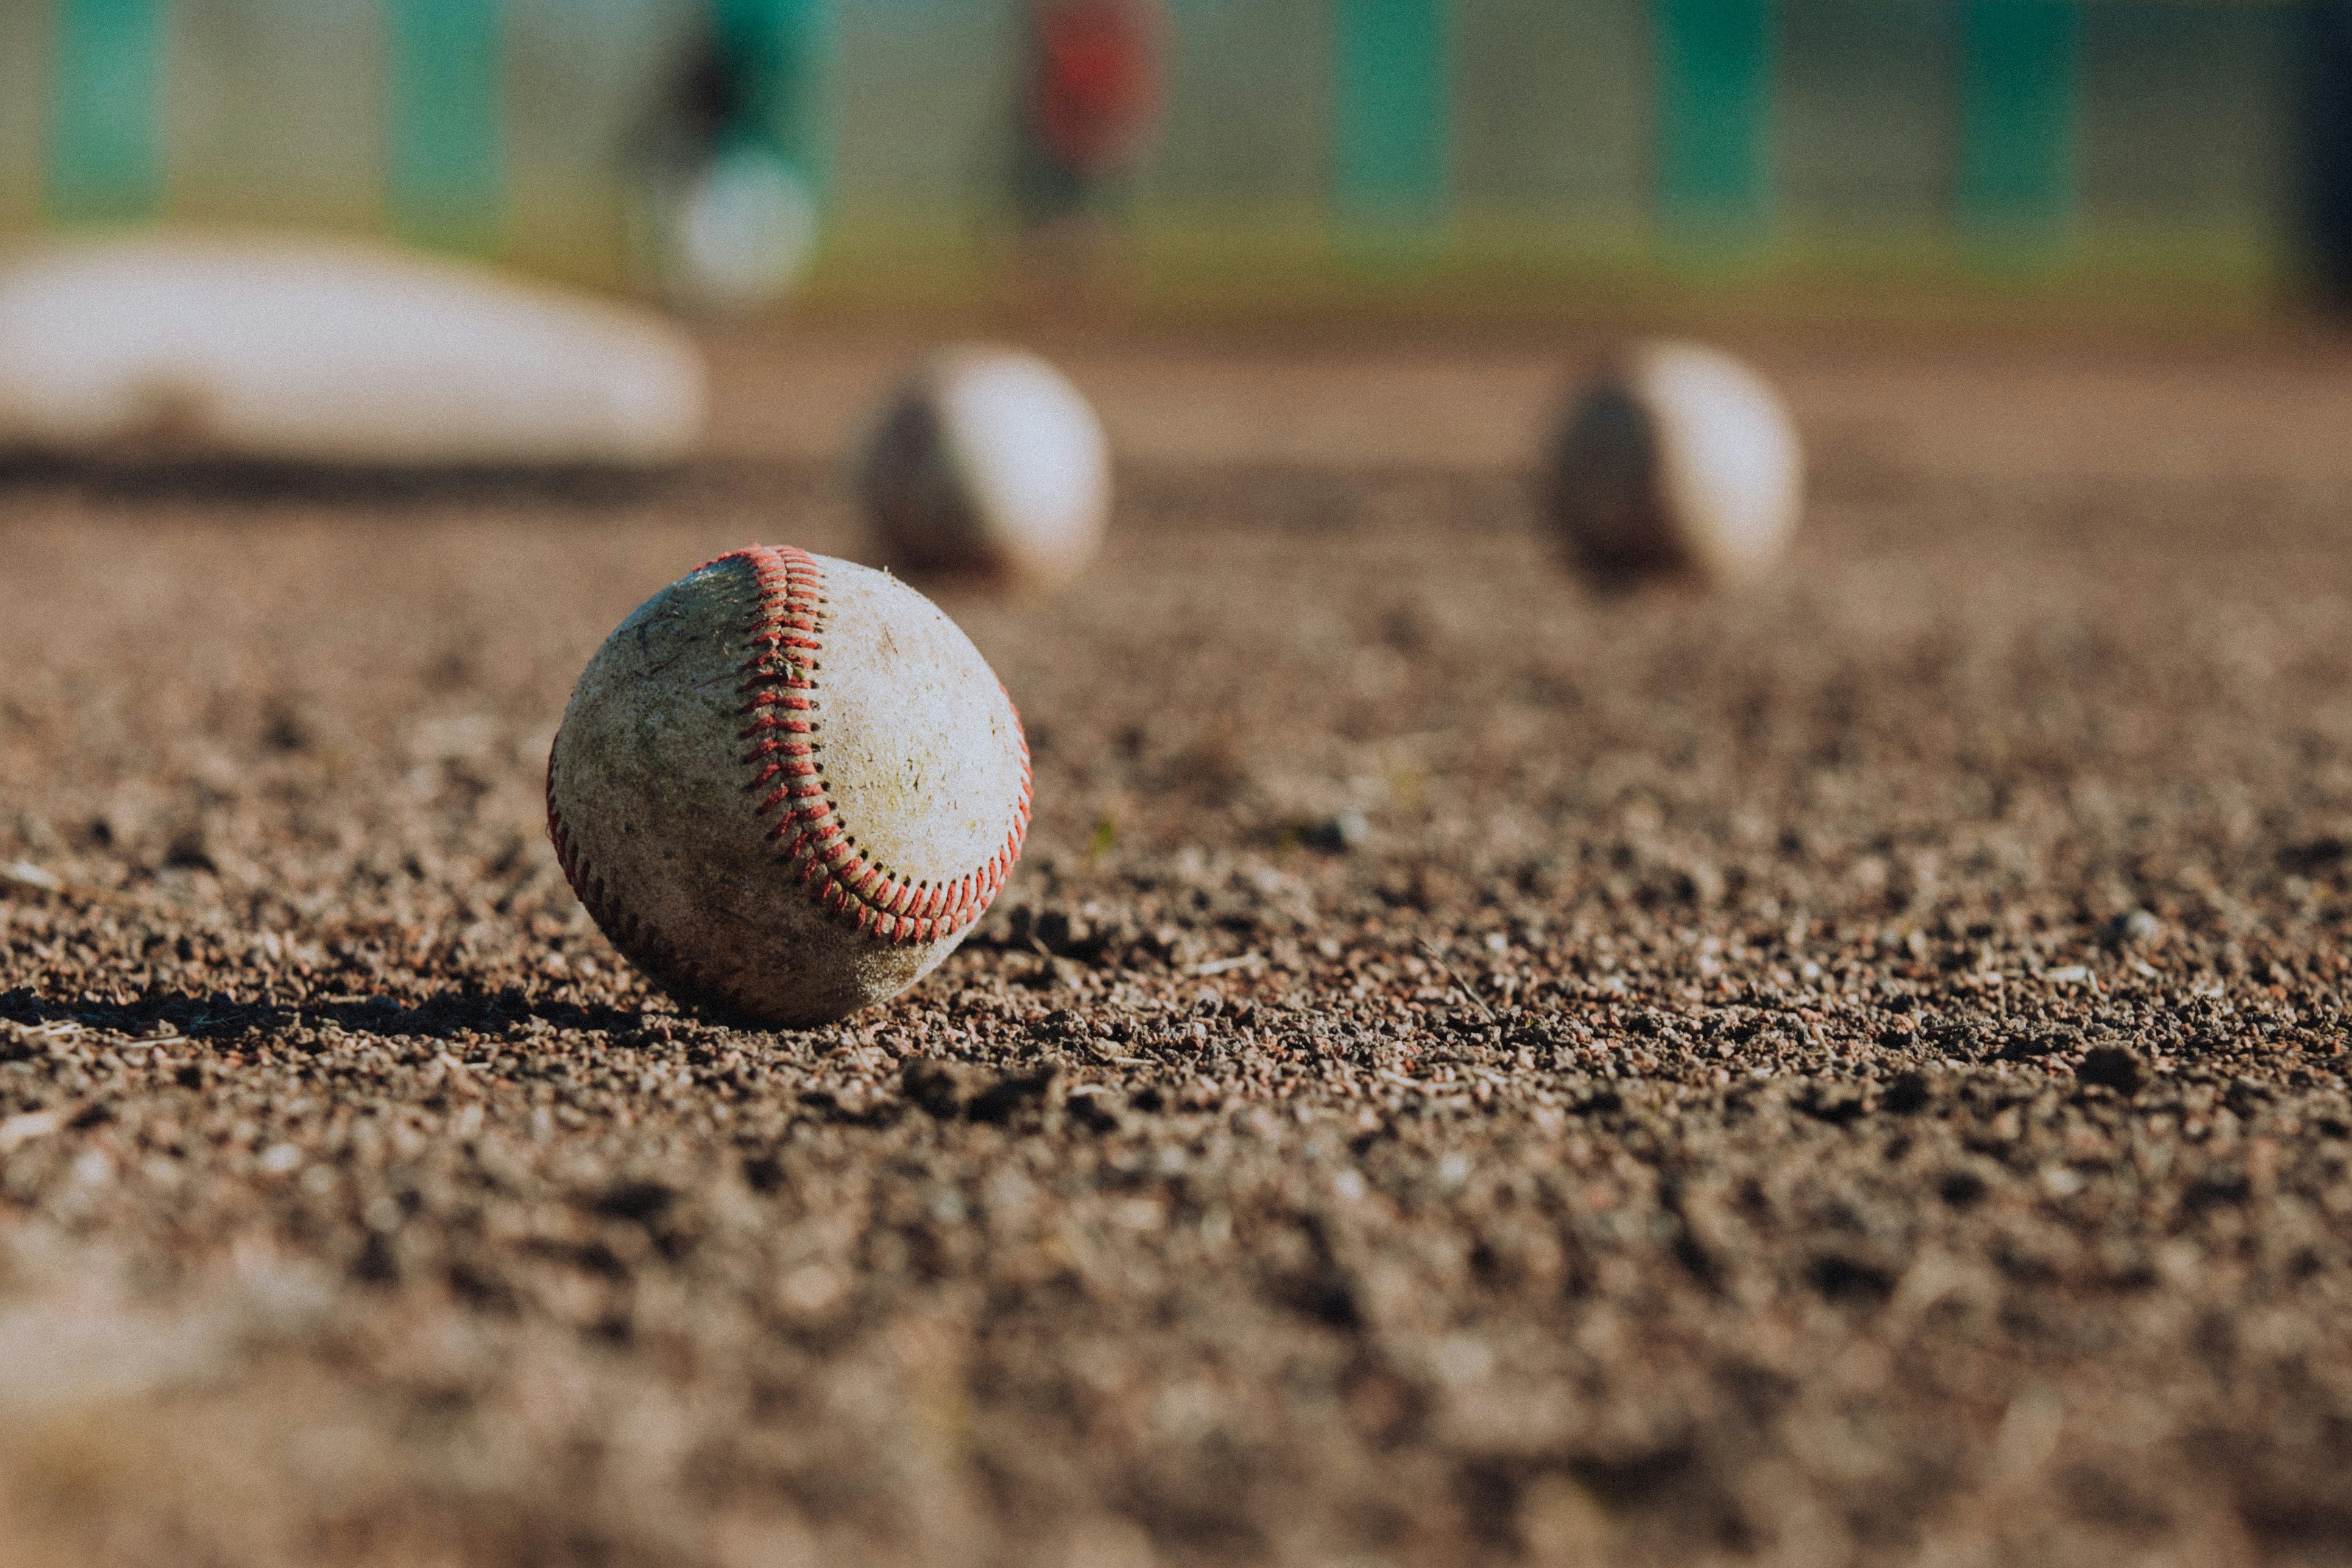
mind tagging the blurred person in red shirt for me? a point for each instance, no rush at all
(1092, 93)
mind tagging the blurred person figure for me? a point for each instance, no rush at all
(726, 215)
(1092, 90)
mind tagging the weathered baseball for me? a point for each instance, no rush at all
(787, 785)
(986, 461)
(323, 350)
(1679, 460)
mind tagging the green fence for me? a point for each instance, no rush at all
(1312, 145)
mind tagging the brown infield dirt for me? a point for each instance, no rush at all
(1469, 1070)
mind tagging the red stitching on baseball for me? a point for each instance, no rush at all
(787, 623)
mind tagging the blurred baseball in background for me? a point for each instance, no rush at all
(1675, 459)
(734, 234)
(985, 461)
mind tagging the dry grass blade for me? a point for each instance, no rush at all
(1429, 950)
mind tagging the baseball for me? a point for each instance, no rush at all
(738, 235)
(317, 351)
(1676, 460)
(986, 461)
(787, 785)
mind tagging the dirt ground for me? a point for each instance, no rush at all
(1468, 1071)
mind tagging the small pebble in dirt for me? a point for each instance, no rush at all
(1337, 833)
(2111, 1066)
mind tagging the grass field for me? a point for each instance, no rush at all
(1468, 1072)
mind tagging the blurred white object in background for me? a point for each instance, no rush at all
(1676, 460)
(987, 461)
(740, 231)
(327, 351)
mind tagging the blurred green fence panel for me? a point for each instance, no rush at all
(786, 48)
(1715, 82)
(106, 108)
(2021, 90)
(1391, 109)
(444, 75)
